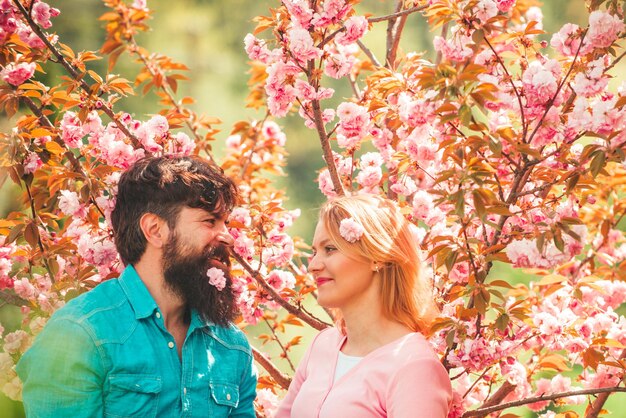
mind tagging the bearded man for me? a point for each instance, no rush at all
(159, 340)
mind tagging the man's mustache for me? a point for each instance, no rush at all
(219, 257)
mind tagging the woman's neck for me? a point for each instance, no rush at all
(368, 329)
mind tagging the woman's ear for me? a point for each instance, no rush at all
(375, 266)
(155, 229)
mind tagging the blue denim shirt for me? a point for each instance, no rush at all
(108, 353)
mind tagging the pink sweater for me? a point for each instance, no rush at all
(403, 379)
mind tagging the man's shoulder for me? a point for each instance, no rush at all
(103, 300)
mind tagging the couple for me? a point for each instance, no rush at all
(159, 341)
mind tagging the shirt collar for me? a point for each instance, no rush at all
(137, 293)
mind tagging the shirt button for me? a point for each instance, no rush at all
(185, 391)
(228, 396)
(158, 315)
(170, 344)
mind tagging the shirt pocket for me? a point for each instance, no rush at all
(224, 397)
(132, 395)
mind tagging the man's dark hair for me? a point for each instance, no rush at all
(163, 186)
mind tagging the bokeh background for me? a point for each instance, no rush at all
(207, 36)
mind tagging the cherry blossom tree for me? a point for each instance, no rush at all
(507, 147)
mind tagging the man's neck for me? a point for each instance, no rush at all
(172, 307)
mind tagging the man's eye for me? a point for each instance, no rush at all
(210, 221)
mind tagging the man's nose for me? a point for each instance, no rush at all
(224, 237)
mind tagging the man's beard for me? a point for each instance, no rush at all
(185, 275)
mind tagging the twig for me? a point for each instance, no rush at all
(280, 344)
(282, 379)
(397, 14)
(369, 53)
(74, 73)
(517, 94)
(394, 30)
(485, 411)
(596, 406)
(35, 223)
(313, 322)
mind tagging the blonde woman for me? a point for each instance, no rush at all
(376, 362)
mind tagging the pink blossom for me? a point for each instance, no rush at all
(24, 289)
(32, 162)
(42, 13)
(70, 204)
(540, 82)
(244, 246)
(256, 48)
(27, 35)
(567, 40)
(280, 279)
(351, 230)
(486, 9)
(325, 183)
(140, 4)
(281, 250)
(355, 28)
(301, 45)
(267, 401)
(505, 5)
(216, 278)
(534, 14)
(333, 11)
(338, 65)
(353, 124)
(71, 130)
(16, 74)
(369, 177)
(180, 144)
(242, 216)
(416, 112)
(604, 29)
(454, 49)
(300, 12)
(592, 80)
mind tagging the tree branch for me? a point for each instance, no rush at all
(397, 14)
(282, 379)
(74, 73)
(485, 411)
(596, 406)
(313, 322)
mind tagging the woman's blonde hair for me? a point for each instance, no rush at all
(388, 240)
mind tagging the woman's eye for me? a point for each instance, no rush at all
(329, 249)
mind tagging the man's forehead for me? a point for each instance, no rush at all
(199, 212)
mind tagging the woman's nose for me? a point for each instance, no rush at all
(314, 263)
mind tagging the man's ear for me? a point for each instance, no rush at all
(155, 229)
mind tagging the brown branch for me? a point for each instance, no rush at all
(397, 14)
(369, 53)
(327, 150)
(280, 344)
(596, 406)
(74, 73)
(394, 30)
(499, 396)
(517, 94)
(43, 120)
(485, 411)
(444, 34)
(169, 93)
(282, 379)
(556, 93)
(35, 223)
(313, 322)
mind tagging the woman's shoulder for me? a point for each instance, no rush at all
(414, 347)
(328, 337)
